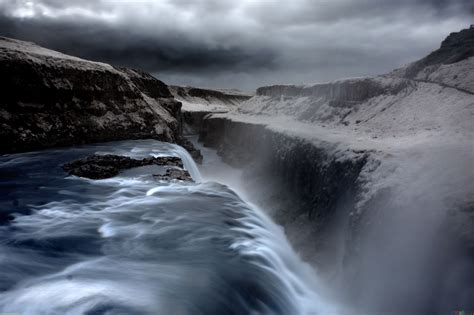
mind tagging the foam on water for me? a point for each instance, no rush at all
(131, 245)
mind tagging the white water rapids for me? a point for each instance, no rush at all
(132, 245)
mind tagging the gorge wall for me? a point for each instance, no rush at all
(371, 178)
(51, 99)
(199, 102)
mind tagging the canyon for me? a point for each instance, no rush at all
(370, 178)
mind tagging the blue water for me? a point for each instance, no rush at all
(133, 245)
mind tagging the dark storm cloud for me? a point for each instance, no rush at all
(240, 43)
(101, 42)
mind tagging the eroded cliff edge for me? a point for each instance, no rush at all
(199, 102)
(370, 177)
(52, 99)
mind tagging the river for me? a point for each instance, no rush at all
(134, 245)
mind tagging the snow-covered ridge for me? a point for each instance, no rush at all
(208, 100)
(459, 75)
(350, 90)
(432, 96)
(14, 49)
(378, 107)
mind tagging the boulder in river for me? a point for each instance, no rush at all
(174, 174)
(106, 166)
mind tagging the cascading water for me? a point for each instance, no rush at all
(132, 245)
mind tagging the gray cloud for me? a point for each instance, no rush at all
(242, 44)
(167, 52)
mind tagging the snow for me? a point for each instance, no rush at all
(194, 104)
(36, 54)
(416, 187)
(459, 74)
(421, 110)
(211, 101)
(414, 130)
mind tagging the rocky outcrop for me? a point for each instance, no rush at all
(51, 99)
(452, 65)
(171, 174)
(106, 166)
(456, 47)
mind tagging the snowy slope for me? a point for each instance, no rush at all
(415, 194)
(392, 115)
(380, 107)
(39, 55)
(206, 100)
(432, 97)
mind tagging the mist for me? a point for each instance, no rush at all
(223, 157)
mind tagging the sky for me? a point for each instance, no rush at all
(240, 44)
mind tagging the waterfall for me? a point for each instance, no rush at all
(131, 245)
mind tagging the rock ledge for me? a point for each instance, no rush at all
(106, 166)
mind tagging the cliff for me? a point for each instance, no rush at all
(209, 100)
(198, 102)
(434, 93)
(370, 177)
(52, 99)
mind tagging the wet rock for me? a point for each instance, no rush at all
(106, 166)
(174, 174)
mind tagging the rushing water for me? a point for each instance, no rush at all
(133, 245)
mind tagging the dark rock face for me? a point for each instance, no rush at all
(305, 186)
(106, 166)
(308, 175)
(194, 121)
(174, 174)
(195, 154)
(51, 99)
(456, 47)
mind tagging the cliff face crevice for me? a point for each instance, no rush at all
(51, 99)
(312, 177)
